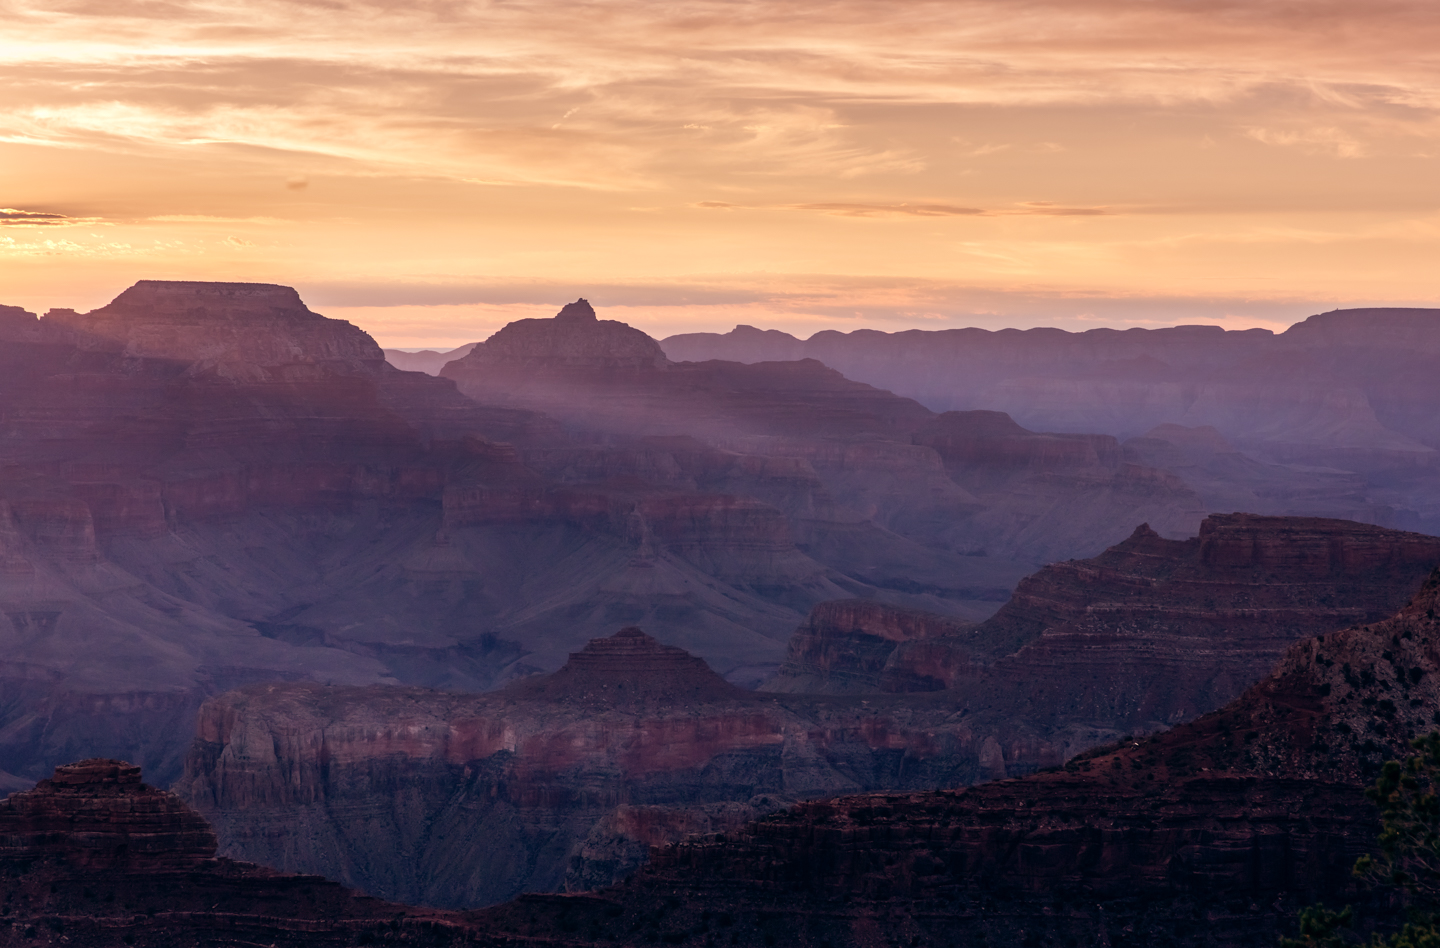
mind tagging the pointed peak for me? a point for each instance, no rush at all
(578, 311)
(631, 666)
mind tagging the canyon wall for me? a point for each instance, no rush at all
(555, 781)
(1214, 833)
(1348, 390)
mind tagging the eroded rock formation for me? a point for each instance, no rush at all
(94, 857)
(558, 780)
(1147, 634)
(1349, 390)
(1216, 832)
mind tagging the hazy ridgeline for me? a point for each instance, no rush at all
(377, 589)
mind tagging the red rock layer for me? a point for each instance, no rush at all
(1214, 833)
(539, 785)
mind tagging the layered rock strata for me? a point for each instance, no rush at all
(558, 780)
(875, 457)
(94, 857)
(1147, 634)
(204, 485)
(1214, 833)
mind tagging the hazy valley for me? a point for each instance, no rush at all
(578, 606)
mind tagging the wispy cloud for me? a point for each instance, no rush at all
(13, 217)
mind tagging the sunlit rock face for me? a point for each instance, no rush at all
(1240, 818)
(574, 338)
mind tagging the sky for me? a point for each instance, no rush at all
(431, 169)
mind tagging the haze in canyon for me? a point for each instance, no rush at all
(452, 638)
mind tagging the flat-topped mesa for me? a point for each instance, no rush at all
(259, 324)
(628, 667)
(97, 815)
(574, 338)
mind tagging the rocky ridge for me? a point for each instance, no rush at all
(569, 776)
(94, 857)
(1213, 833)
(558, 780)
(1347, 390)
(1148, 633)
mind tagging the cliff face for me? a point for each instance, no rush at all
(1238, 818)
(204, 485)
(875, 457)
(94, 857)
(1347, 390)
(1149, 633)
(560, 780)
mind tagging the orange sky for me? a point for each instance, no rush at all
(431, 169)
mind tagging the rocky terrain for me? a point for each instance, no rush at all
(1147, 634)
(203, 485)
(558, 781)
(1347, 390)
(207, 484)
(92, 856)
(1213, 833)
(876, 486)
(565, 780)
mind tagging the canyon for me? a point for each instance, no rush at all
(991, 612)
(208, 484)
(1215, 832)
(565, 781)
(1345, 391)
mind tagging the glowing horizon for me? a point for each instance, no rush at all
(430, 171)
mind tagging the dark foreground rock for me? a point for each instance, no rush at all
(1212, 834)
(93, 856)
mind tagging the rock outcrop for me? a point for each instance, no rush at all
(1147, 634)
(1216, 832)
(94, 857)
(875, 457)
(557, 780)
